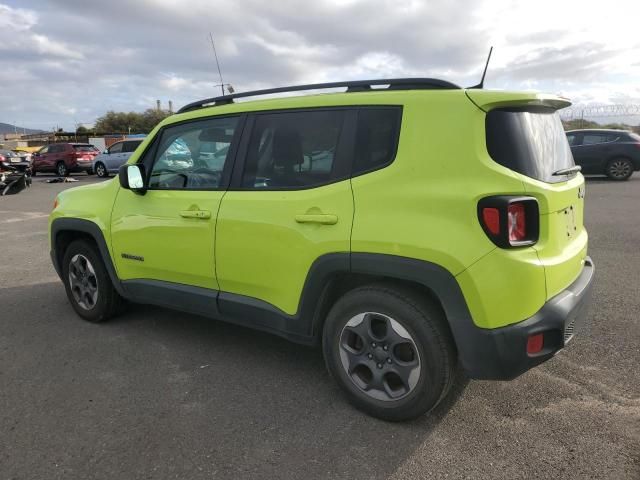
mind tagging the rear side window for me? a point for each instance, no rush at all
(376, 138)
(130, 146)
(294, 150)
(635, 136)
(532, 143)
(595, 138)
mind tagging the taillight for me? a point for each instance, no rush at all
(510, 221)
(491, 219)
(2, 158)
(516, 222)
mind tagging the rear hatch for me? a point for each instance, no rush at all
(85, 152)
(524, 133)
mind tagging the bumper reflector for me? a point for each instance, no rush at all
(535, 343)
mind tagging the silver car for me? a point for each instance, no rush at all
(110, 160)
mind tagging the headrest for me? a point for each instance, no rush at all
(287, 148)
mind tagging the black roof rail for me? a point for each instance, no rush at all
(352, 86)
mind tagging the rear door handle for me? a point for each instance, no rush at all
(317, 218)
(203, 214)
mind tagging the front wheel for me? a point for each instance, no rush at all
(390, 351)
(87, 283)
(619, 169)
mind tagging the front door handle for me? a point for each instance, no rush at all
(317, 218)
(203, 214)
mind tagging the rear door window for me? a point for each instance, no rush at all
(531, 142)
(294, 150)
(116, 148)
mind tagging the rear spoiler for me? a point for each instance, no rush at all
(487, 100)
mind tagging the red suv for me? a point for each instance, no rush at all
(64, 158)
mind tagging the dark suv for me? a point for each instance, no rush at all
(615, 153)
(64, 158)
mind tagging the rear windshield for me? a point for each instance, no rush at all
(532, 143)
(85, 148)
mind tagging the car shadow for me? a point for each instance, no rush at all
(175, 387)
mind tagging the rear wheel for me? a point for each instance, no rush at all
(101, 170)
(619, 169)
(87, 283)
(390, 351)
(61, 169)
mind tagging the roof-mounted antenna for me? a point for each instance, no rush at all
(215, 54)
(481, 84)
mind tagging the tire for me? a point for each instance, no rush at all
(62, 170)
(87, 283)
(90, 172)
(101, 170)
(33, 171)
(394, 373)
(619, 169)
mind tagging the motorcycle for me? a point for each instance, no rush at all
(13, 180)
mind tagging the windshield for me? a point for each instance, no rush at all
(532, 143)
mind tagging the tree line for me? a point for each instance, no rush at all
(127, 122)
(144, 122)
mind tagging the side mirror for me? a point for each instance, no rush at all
(105, 151)
(132, 177)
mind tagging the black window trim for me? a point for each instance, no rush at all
(148, 156)
(345, 146)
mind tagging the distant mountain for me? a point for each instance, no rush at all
(8, 128)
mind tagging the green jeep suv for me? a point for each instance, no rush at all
(407, 225)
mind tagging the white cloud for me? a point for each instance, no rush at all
(79, 58)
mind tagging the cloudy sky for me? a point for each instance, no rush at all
(68, 61)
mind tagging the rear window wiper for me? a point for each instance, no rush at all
(567, 171)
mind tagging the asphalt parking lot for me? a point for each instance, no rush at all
(158, 394)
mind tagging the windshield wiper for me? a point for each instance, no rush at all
(567, 171)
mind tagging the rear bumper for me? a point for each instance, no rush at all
(501, 353)
(82, 167)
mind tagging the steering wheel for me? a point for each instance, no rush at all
(184, 177)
